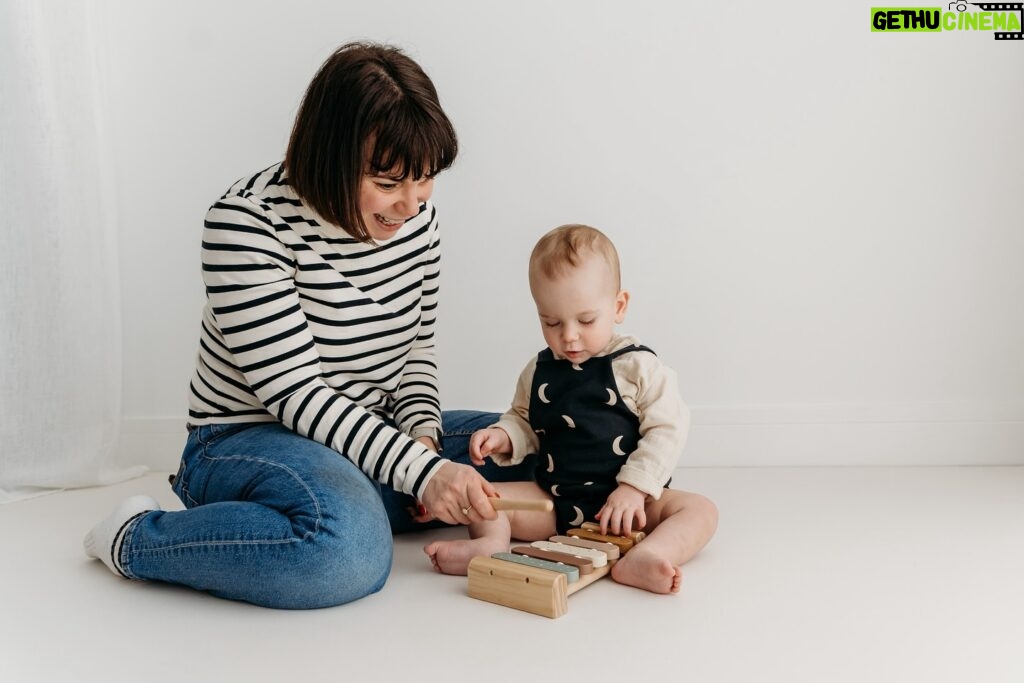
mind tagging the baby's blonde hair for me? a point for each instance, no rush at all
(567, 246)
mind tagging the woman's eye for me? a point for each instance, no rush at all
(387, 187)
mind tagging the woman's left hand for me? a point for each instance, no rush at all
(457, 494)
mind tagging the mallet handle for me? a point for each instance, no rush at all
(514, 504)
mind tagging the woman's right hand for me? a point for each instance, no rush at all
(457, 494)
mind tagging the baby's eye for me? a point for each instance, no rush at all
(587, 322)
(551, 324)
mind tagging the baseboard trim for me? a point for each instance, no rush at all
(895, 435)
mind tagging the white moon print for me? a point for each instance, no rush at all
(611, 397)
(540, 393)
(579, 517)
(575, 366)
(616, 447)
(554, 489)
(551, 463)
(568, 421)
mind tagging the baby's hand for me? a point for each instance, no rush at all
(487, 441)
(623, 507)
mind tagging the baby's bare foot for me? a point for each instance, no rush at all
(649, 571)
(452, 557)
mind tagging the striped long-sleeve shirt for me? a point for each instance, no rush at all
(330, 336)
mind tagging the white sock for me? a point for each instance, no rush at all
(104, 541)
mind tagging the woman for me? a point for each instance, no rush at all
(314, 417)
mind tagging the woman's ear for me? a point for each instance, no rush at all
(621, 304)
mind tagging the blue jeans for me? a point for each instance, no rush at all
(278, 520)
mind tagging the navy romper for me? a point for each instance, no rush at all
(585, 430)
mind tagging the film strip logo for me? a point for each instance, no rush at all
(997, 7)
(999, 18)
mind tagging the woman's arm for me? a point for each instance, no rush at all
(417, 407)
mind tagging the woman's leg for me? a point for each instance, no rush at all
(272, 518)
(457, 426)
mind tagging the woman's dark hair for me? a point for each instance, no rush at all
(369, 109)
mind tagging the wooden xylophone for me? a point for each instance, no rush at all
(540, 577)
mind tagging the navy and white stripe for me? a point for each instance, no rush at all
(331, 336)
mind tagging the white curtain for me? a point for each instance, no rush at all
(60, 344)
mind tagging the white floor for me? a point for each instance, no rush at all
(823, 575)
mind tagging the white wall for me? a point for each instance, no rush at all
(820, 226)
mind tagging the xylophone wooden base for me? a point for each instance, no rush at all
(534, 590)
(526, 588)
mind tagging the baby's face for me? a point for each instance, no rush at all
(579, 310)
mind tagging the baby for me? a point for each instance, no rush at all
(606, 419)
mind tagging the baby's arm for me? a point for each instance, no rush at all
(516, 422)
(653, 391)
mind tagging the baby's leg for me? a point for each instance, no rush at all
(489, 537)
(679, 524)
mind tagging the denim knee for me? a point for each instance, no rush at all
(347, 559)
(323, 571)
(337, 573)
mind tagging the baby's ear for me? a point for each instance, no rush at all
(621, 304)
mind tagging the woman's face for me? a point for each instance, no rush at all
(386, 203)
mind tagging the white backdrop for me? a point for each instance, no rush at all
(820, 226)
(60, 334)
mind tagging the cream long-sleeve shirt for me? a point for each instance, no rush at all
(649, 389)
